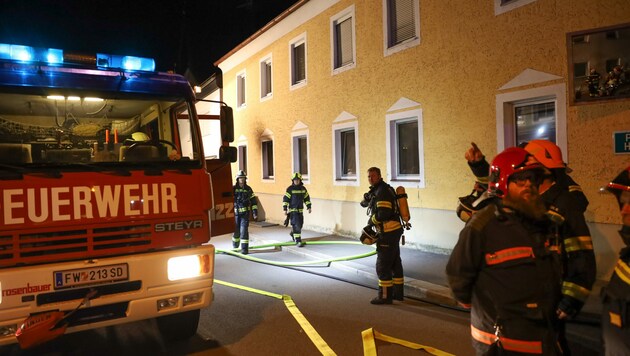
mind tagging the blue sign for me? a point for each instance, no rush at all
(622, 142)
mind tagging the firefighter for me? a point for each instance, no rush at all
(244, 202)
(295, 197)
(616, 296)
(573, 241)
(511, 285)
(385, 219)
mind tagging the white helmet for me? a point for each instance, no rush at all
(241, 174)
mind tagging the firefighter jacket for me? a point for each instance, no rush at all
(502, 268)
(383, 208)
(574, 244)
(618, 289)
(295, 198)
(244, 200)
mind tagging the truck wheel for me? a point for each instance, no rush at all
(180, 326)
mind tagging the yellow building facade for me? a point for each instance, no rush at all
(333, 87)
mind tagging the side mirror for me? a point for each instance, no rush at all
(228, 154)
(227, 124)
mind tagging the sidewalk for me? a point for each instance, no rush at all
(424, 272)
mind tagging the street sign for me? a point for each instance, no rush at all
(622, 142)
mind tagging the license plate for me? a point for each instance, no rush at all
(91, 275)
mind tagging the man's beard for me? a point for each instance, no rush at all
(532, 207)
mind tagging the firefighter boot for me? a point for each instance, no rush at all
(399, 292)
(235, 242)
(292, 238)
(245, 248)
(384, 296)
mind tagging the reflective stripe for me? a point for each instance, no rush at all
(623, 271)
(529, 347)
(399, 280)
(236, 239)
(483, 180)
(576, 291)
(578, 243)
(391, 225)
(374, 220)
(384, 204)
(555, 217)
(387, 283)
(509, 254)
(293, 210)
(575, 188)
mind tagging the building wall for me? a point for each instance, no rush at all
(467, 59)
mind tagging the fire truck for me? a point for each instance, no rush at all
(107, 200)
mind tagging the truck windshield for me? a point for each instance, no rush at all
(61, 130)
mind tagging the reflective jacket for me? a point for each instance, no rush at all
(383, 208)
(295, 198)
(501, 267)
(618, 288)
(244, 200)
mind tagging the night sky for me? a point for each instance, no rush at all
(181, 35)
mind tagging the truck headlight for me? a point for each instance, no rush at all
(188, 266)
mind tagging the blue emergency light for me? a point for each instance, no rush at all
(56, 56)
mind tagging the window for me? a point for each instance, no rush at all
(267, 159)
(538, 113)
(242, 158)
(405, 152)
(580, 70)
(535, 121)
(343, 40)
(266, 89)
(346, 153)
(297, 53)
(240, 90)
(300, 155)
(502, 6)
(401, 24)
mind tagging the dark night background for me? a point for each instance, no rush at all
(186, 36)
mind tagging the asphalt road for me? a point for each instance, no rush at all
(243, 322)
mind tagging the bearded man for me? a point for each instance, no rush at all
(502, 268)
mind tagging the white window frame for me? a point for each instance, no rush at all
(266, 60)
(240, 89)
(301, 39)
(334, 20)
(506, 127)
(240, 155)
(387, 29)
(295, 135)
(266, 137)
(410, 181)
(338, 177)
(500, 9)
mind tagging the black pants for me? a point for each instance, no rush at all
(616, 333)
(388, 262)
(297, 220)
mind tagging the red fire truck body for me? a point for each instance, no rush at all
(104, 191)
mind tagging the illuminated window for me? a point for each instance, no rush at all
(343, 40)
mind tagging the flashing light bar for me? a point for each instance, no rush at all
(125, 62)
(56, 56)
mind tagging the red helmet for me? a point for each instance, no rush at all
(620, 184)
(546, 152)
(512, 160)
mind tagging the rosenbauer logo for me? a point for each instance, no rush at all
(26, 290)
(36, 205)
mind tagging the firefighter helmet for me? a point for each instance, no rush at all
(619, 185)
(296, 175)
(140, 136)
(368, 235)
(241, 174)
(546, 152)
(507, 163)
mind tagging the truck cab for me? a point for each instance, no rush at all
(105, 192)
